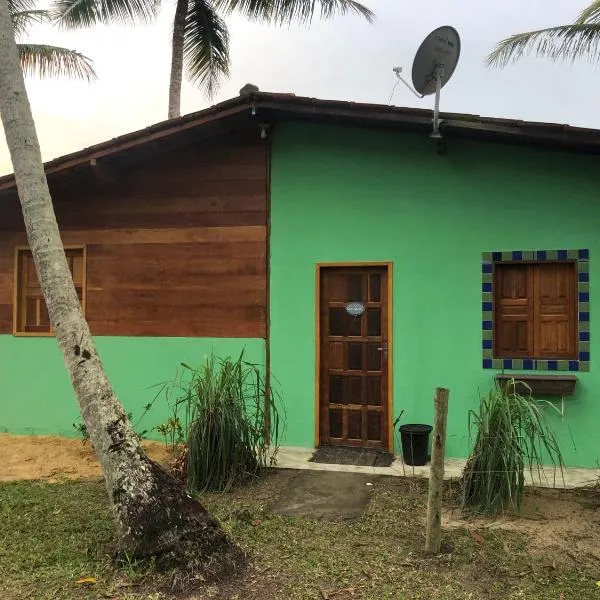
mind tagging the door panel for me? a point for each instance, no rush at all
(353, 386)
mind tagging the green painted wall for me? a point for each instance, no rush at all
(352, 195)
(36, 395)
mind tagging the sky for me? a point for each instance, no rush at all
(344, 59)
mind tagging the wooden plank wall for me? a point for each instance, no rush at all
(176, 244)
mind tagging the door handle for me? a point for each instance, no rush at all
(384, 348)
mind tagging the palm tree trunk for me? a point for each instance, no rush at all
(176, 79)
(153, 512)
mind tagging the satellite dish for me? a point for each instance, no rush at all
(435, 59)
(434, 64)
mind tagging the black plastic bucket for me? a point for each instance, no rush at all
(415, 443)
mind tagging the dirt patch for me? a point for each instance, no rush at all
(563, 526)
(325, 495)
(55, 458)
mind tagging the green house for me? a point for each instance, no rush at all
(361, 261)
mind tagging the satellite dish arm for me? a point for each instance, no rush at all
(398, 70)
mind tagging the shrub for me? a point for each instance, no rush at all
(230, 422)
(512, 433)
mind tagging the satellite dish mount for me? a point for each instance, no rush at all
(439, 74)
(432, 68)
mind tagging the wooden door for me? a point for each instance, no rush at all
(354, 351)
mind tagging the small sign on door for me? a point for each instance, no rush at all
(355, 309)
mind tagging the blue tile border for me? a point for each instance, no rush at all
(581, 258)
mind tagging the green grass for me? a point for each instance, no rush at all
(50, 536)
(53, 534)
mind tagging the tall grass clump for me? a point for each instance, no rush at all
(512, 434)
(227, 418)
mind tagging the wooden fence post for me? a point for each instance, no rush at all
(436, 477)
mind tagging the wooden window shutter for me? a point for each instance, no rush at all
(32, 310)
(555, 310)
(31, 313)
(513, 327)
(535, 310)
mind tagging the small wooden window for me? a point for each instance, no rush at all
(31, 314)
(535, 310)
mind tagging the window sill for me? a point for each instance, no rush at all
(33, 334)
(541, 385)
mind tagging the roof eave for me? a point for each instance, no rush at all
(288, 106)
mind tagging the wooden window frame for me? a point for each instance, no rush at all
(17, 291)
(390, 396)
(580, 258)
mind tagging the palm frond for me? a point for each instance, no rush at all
(205, 46)
(283, 12)
(22, 20)
(53, 61)
(591, 14)
(76, 14)
(557, 43)
(15, 6)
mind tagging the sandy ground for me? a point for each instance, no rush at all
(55, 458)
(562, 525)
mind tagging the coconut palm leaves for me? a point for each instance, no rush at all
(75, 14)
(283, 12)
(205, 46)
(200, 43)
(53, 61)
(563, 42)
(42, 59)
(201, 40)
(23, 19)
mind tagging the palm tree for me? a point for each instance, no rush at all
(579, 39)
(200, 40)
(41, 59)
(153, 513)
